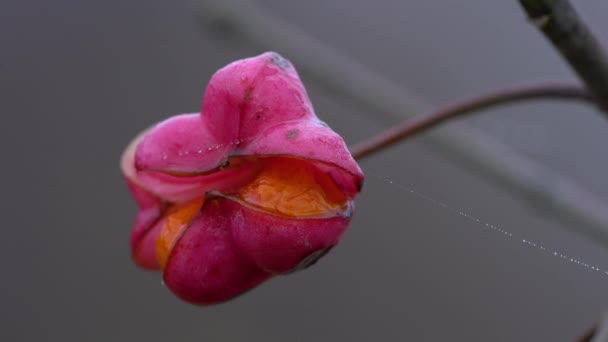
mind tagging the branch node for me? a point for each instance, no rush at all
(540, 22)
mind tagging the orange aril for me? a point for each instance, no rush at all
(293, 187)
(178, 217)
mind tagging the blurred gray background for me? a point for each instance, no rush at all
(78, 79)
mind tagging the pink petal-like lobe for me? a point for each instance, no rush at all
(205, 266)
(280, 244)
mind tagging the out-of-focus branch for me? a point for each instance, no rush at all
(598, 333)
(422, 122)
(601, 330)
(246, 24)
(559, 22)
(587, 335)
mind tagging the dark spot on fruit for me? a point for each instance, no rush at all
(225, 164)
(258, 116)
(247, 93)
(360, 184)
(292, 134)
(312, 258)
(281, 61)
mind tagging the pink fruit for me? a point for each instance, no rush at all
(253, 186)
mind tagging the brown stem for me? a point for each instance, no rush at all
(421, 123)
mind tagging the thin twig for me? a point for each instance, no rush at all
(423, 122)
(561, 198)
(560, 23)
(247, 24)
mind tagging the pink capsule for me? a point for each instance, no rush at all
(253, 186)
